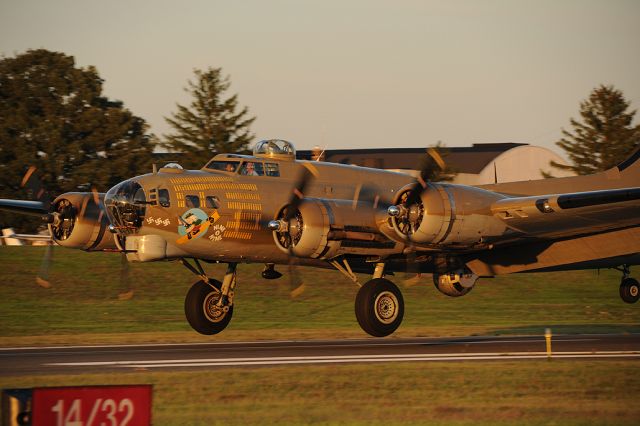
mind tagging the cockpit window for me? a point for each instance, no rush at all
(272, 169)
(252, 168)
(163, 198)
(225, 166)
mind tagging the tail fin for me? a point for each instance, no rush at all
(632, 164)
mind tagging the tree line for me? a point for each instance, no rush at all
(54, 116)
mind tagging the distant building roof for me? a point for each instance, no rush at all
(472, 159)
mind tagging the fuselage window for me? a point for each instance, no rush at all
(225, 166)
(192, 201)
(252, 168)
(272, 169)
(163, 197)
(212, 202)
(153, 197)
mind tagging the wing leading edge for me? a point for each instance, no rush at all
(33, 208)
(562, 215)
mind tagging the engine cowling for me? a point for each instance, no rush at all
(446, 215)
(318, 227)
(77, 221)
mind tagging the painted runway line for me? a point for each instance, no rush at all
(257, 361)
(294, 344)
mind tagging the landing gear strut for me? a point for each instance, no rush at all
(208, 305)
(379, 305)
(629, 287)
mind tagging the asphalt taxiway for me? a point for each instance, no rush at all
(121, 358)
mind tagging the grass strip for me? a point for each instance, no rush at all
(463, 393)
(82, 306)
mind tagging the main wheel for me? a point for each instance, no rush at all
(379, 307)
(629, 290)
(202, 310)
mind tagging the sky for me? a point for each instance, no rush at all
(352, 73)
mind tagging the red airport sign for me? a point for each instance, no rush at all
(128, 405)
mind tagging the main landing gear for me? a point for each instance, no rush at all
(209, 303)
(379, 307)
(629, 287)
(379, 304)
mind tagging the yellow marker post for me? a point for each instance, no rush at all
(547, 338)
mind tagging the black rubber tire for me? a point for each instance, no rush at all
(379, 307)
(629, 290)
(198, 295)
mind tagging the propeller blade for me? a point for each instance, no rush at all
(296, 284)
(432, 161)
(307, 173)
(412, 270)
(124, 278)
(432, 164)
(43, 277)
(433, 152)
(96, 196)
(34, 185)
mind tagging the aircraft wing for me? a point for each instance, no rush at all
(28, 237)
(33, 208)
(562, 215)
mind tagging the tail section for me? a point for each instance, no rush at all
(631, 164)
(624, 175)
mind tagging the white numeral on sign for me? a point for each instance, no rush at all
(108, 407)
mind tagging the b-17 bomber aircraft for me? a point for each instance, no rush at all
(271, 208)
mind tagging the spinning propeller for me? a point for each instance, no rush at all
(293, 219)
(61, 217)
(290, 226)
(409, 211)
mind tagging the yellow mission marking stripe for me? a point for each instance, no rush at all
(243, 196)
(243, 225)
(245, 220)
(238, 235)
(201, 179)
(224, 186)
(247, 216)
(237, 205)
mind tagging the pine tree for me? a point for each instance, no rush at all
(605, 137)
(53, 116)
(210, 124)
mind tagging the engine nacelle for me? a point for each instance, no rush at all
(455, 284)
(319, 226)
(447, 215)
(77, 221)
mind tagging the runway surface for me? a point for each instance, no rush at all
(172, 357)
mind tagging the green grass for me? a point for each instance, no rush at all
(484, 393)
(83, 304)
(83, 307)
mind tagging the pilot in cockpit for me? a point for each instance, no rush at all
(249, 169)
